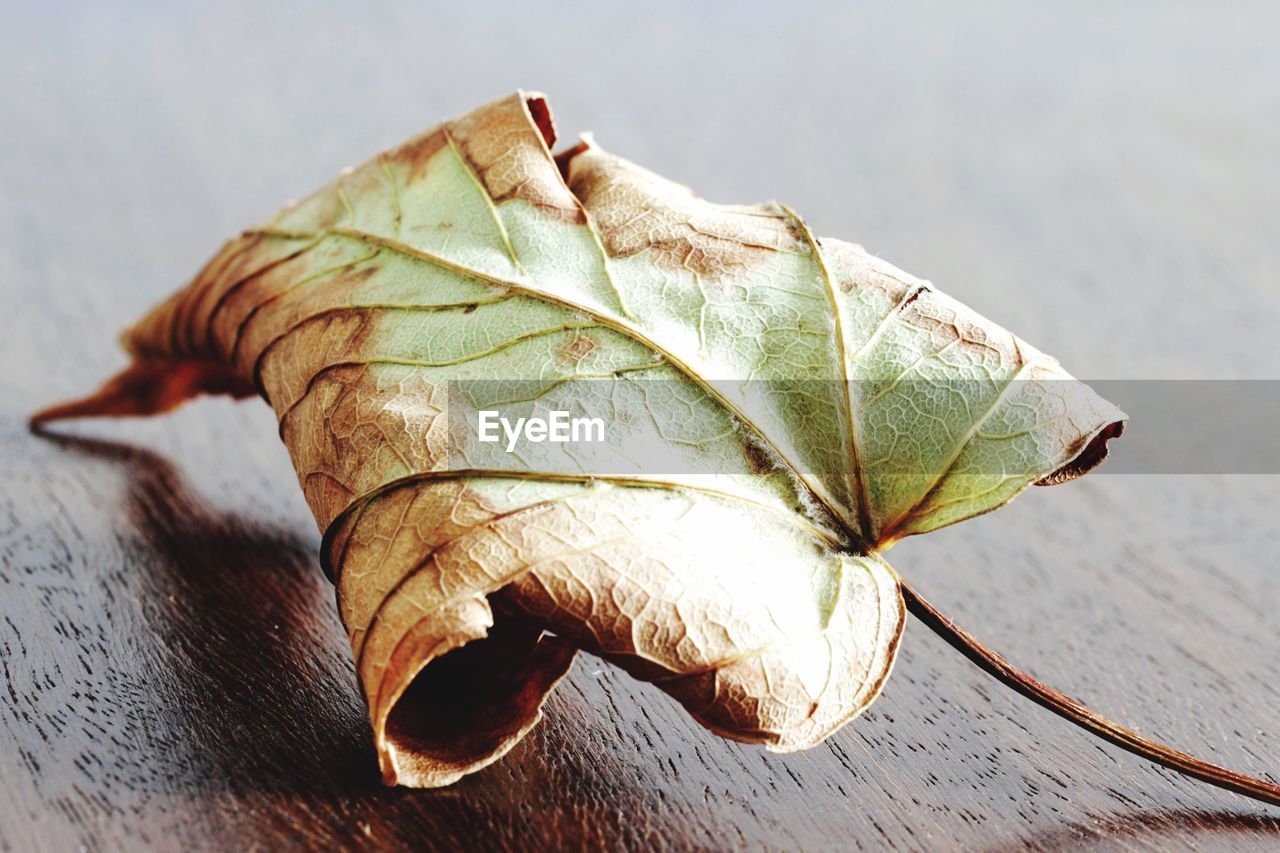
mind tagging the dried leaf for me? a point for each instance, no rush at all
(825, 404)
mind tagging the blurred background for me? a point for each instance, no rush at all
(1052, 167)
(1101, 178)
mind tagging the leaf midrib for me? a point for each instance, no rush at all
(792, 518)
(616, 324)
(839, 322)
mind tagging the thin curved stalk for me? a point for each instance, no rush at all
(1072, 709)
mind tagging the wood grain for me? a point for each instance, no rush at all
(1101, 181)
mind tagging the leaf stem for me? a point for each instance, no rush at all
(1071, 709)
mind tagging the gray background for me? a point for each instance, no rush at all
(1101, 178)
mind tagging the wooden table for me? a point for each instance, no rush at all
(1103, 182)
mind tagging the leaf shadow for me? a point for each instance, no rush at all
(252, 675)
(252, 659)
(1161, 829)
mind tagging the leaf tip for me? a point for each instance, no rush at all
(1093, 455)
(147, 388)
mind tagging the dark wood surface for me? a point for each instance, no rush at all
(1102, 181)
